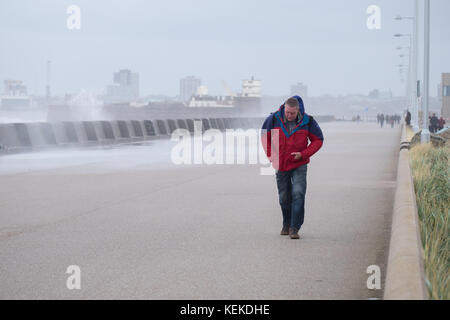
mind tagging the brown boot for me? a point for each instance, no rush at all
(285, 231)
(293, 233)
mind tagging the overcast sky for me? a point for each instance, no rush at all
(323, 43)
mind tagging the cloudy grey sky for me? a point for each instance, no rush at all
(323, 43)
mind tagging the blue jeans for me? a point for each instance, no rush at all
(291, 192)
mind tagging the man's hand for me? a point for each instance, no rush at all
(297, 155)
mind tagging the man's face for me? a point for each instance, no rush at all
(290, 112)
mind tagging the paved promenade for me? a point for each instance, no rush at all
(139, 227)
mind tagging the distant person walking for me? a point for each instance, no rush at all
(441, 123)
(285, 140)
(434, 123)
(381, 120)
(408, 118)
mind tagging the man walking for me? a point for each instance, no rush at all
(285, 139)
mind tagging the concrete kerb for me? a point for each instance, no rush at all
(405, 277)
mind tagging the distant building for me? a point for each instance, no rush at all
(445, 111)
(251, 88)
(188, 87)
(14, 88)
(299, 89)
(374, 94)
(202, 91)
(202, 99)
(14, 94)
(249, 98)
(125, 87)
(383, 95)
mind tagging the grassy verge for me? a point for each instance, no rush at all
(431, 173)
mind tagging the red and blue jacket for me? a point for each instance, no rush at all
(279, 144)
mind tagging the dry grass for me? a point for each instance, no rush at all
(431, 173)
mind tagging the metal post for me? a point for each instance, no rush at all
(425, 136)
(411, 75)
(409, 87)
(415, 110)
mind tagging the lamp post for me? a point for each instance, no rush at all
(425, 136)
(410, 91)
(408, 76)
(414, 58)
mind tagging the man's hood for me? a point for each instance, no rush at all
(303, 120)
(300, 104)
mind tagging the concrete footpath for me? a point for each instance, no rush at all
(159, 231)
